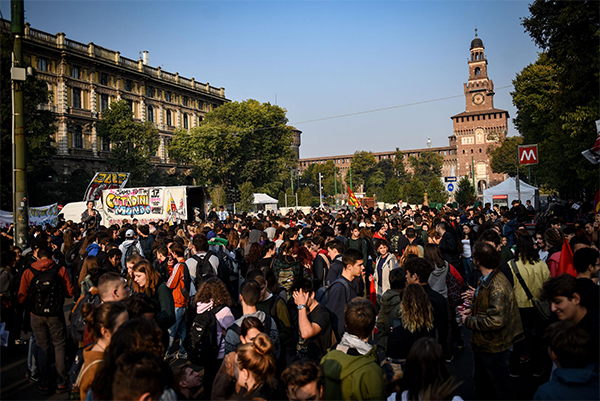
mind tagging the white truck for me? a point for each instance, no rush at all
(146, 204)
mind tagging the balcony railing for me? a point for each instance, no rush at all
(74, 111)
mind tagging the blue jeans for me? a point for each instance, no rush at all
(50, 331)
(468, 265)
(178, 329)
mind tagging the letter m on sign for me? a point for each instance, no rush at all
(528, 155)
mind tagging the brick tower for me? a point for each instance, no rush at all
(480, 126)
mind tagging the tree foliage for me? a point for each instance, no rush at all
(414, 191)
(392, 191)
(399, 167)
(239, 142)
(557, 97)
(218, 197)
(465, 192)
(304, 197)
(38, 126)
(132, 143)
(504, 157)
(246, 203)
(436, 192)
(361, 164)
(427, 166)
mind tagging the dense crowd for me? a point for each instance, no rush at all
(350, 304)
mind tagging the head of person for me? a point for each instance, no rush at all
(485, 256)
(90, 205)
(425, 372)
(129, 234)
(441, 228)
(568, 344)
(186, 380)
(131, 261)
(589, 228)
(417, 270)
(352, 260)
(144, 230)
(268, 249)
(355, 231)
(569, 232)
(250, 293)
(255, 363)
(112, 287)
(141, 305)
(146, 276)
(303, 381)
(213, 289)
(540, 241)
(398, 278)
(250, 328)
(304, 285)
(564, 297)
(383, 247)
(200, 243)
(359, 316)
(140, 376)
(334, 248)
(177, 251)
(525, 249)
(433, 254)
(587, 262)
(554, 237)
(417, 313)
(114, 257)
(105, 319)
(286, 248)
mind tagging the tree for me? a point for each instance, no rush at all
(557, 97)
(39, 128)
(427, 166)
(414, 191)
(361, 164)
(246, 203)
(399, 167)
(217, 195)
(504, 157)
(132, 143)
(392, 191)
(239, 142)
(436, 192)
(465, 193)
(304, 197)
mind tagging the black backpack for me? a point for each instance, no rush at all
(204, 268)
(201, 341)
(71, 254)
(132, 250)
(46, 292)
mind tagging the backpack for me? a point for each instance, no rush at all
(77, 326)
(76, 374)
(267, 323)
(72, 253)
(201, 341)
(321, 295)
(226, 265)
(46, 292)
(132, 250)
(223, 270)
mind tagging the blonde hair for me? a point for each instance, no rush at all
(257, 357)
(410, 250)
(416, 309)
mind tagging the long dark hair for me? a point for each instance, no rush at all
(525, 250)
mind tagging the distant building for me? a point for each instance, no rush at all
(85, 79)
(478, 128)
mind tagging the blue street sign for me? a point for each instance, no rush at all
(450, 179)
(450, 187)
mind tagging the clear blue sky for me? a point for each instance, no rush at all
(318, 59)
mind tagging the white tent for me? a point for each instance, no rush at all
(264, 202)
(507, 191)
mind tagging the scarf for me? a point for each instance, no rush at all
(351, 341)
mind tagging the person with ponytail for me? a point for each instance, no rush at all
(255, 369)
(103, 321)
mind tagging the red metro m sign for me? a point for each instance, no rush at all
(528, 155)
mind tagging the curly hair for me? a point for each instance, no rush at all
(213, 289)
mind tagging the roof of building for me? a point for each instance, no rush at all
(478, 113)
(477, 42)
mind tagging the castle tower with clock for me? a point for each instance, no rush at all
(481, 126)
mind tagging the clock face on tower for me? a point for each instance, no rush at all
(478, 99)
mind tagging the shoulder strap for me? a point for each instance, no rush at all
(82, 371)
(515, 270)
(343, 283)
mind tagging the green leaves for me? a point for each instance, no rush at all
(465, 192)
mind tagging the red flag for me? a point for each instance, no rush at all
(565, 264)
(352, 198)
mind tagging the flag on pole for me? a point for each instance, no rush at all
(352, 198)
(565, 263)
(597, 202)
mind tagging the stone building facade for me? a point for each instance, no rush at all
(85, 78)
(480, 127)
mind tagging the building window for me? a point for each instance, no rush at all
(130, 104)
(464, 152)
(479, 150)
(185, 121)
(149, 91)
(471, 151)
(477, 71)
(105, 145)
(185, 100)
(150, 114)
(200, 118)
(76, 98)
(78, 137)
(75, 72)
(42, 64)
(128, 85)
(103, 102)
(168, 96)
(104, 79)
(169, 121)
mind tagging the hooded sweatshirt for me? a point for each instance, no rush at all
(390, 310)
(437, 280)
(232, 338)
(42, 265)
(571, 384)
(353, 377)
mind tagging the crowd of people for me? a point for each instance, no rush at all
(349, 304)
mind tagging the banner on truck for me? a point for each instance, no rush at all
(38, 216)
(145, 204)
(104, 181)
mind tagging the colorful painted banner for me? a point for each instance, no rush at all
(145, 204)
(104, 181)
(38, 216)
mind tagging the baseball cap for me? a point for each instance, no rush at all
(129, 233)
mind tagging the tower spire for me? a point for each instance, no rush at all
(475, 30)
